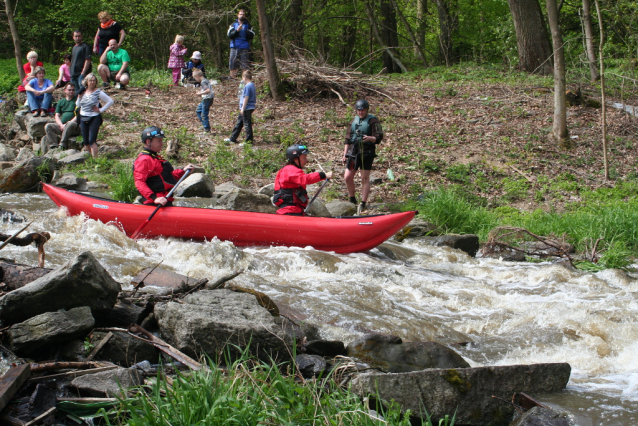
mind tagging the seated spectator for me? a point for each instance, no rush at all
(39, 92)
(29, 69)
(113, 66)
(193, 64)
(66, 122)
(64, 74)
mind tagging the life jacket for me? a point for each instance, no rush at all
(286, 197)
(358, 129)
(156, 183)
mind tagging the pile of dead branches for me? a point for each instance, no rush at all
(308, 78)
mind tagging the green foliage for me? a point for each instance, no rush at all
(458, 173)
(122, 183)
(515, 189)
(157, 78)
(225, 163)
(251, 393)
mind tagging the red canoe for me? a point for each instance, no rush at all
(341, 235)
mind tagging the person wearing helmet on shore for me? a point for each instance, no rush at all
(290, 183)
(154, 176)
(363, 134)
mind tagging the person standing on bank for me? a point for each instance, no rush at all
(90, 112)
(154, 176)
(108, 30)
(291, 181)
(207, 95)
(362, 137)
(247, 102)
(81, 64)
(176, 58)
(240, 34)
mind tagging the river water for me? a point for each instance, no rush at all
(491, 312)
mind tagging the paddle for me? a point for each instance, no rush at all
(317, 194)
(143, 225)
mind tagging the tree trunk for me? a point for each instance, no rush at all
(212, 35)
(421, 10)
(269, 53)
(559, 127)
(375, 29)
(297, 22)
(603, 117)
(589, 41)
(445, 26)
(408, 28)
(534, 49)
(10, 9)
(389, 35)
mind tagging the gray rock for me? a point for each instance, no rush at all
(318, 209)
(226, 187)
(268, 190)
(7, 153)
(20, 117)
(196, 185)
(58, 155)
(417, 228)
(35, 126)
(310, 365)
(50, 328)
(396, 251)
(71, 181)
(545, 416)
(468, 391)
(78, 158)
(468, 243)
(74, 350)
(244, 200)
(341, 208)
(376, 179)
(211, 321)
(110, 383)
(26, 175)
(124, 349)
(329, 348)
(390, 354)
(81, 281)
(24, 154)
(8, 216)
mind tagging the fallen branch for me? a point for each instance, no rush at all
(99, 346)
(72, 374)
(41, 417)
(37, 368)
(223, 279)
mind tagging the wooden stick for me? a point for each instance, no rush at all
(4, 244)
(340, 98)
(37, 368)
(223, 279)
(12, 381)
(41, 417)
(87, 400)
(73, 374)
(99, 346)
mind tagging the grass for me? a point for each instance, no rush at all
(250, 393)
(607, 216)
(224, 163)
(122, 183)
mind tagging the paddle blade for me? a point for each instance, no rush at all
(138, 231)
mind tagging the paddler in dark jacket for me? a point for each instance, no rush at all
(290, 183)
(154, 176)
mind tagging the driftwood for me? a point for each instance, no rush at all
(41, 417)
(99, 346)
(70, 374)
(15, 275)
(498, 236)
(46, 366)
(12, 381)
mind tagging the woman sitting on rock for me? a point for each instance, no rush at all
(64, 73)
(39, 92)
(29, 69)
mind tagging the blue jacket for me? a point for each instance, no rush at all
(240, 39)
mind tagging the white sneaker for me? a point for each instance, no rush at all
(117, 85)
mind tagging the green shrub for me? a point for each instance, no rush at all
(458, 173)
(515, 189)
(122, 183)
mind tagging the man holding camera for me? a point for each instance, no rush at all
(240, 34)
(363, 134)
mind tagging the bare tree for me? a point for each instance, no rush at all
(532, 40)
(10, 8)
(446, 26)
(417, 46)
(276, 89)
(559, 126)
(375, 29)
(589, 41)
(603, 123)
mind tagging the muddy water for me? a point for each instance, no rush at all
(491, 312)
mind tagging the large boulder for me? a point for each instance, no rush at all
(244, 200)
(341, 208)
(20, 118)
(50, 328)
(35, 126)
(58, 155)
(73, 159)
(24, 154)
(545, 416)
(268, 190)
(71, 181)
(318, 209)
(391, 354)
(112, 383)
(82, 281)
(467, 391)
(196, 185)
(26, 175)
(7, 153)
(213, 321)
(124, 349)
(417, 228)
(469, 243)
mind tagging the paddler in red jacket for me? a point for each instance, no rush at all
(154, 176)
(290, 184)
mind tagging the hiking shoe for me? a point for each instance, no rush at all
(228, 141)
(122, 87)
(106, 85)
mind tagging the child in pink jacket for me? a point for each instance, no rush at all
(176, 60)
